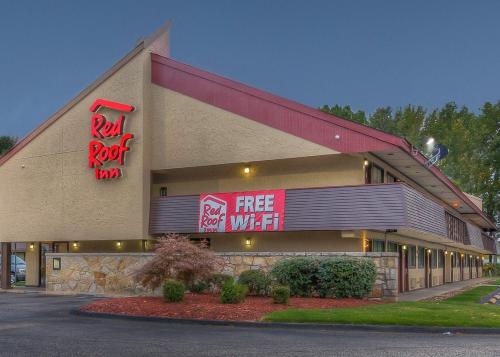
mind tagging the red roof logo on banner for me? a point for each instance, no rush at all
(251, 211)
(102, 128)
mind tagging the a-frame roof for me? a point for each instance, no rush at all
(309, 123)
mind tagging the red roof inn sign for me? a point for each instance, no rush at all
(104, 129)
(242, 211)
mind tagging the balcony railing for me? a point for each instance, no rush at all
(371, 207)
(457, 229)
(489, 243)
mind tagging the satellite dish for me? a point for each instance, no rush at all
(438, 153)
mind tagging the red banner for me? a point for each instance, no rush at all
(242, 211)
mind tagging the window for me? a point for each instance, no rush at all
(391, 178)
(392, 247)
(163, 191)
(376, 174)
(457, 260)
(434, 258)
(377, 246)
(421, 257)
(412, 256)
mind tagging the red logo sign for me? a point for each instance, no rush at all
(102, 128)
(242, 211)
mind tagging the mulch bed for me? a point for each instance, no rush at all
(208, 307)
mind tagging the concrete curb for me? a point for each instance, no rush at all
(307, 326)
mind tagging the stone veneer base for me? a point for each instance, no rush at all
(112, 273)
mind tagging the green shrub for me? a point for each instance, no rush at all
(490, 269)
(218, 280)
(233, 293)
(280, 294)
(346, 277)
(199, 286)
(257, 281)
(173, 290)
(300, 274)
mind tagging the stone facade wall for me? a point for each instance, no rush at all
(96, 273)
(112, 273)
(386, 284)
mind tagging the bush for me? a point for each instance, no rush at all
(280, 294)
(177, 258)
(218, 280)
(173, 291)
(342, 277)
(300, 274)
(233, 293)
(490, 269)
(257, 281)
(199, 286)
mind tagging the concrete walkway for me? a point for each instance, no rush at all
(423, 294)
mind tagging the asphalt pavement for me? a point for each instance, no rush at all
(42, 325)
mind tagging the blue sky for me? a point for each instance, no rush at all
(363, 53)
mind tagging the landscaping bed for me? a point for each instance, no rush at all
(208, 307)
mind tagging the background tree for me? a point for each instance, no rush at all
(6, 143)
(346, 113)
(473, 141)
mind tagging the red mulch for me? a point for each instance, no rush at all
(208, 307)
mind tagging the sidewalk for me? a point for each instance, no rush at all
(423, 294)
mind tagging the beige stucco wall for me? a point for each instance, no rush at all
(322, 171)
(32, 258)
(437, 276)
(49, 194)
(416, 278)
(110, 246)
(189, 133)
(283, 242)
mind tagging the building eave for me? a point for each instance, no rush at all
(308, 123)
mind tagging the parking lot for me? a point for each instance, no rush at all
(42, 325)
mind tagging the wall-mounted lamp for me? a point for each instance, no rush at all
(451, 253)
(429, 251)
(248, 242)
(462, 255)
(404, 247)
(246, 170)
(446, 252)
(75, 245)
(470, 256)
(32, 246)
(119, 244)
(366, 163)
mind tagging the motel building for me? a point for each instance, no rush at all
(156, 146)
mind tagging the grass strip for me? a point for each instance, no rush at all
(462, 310)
